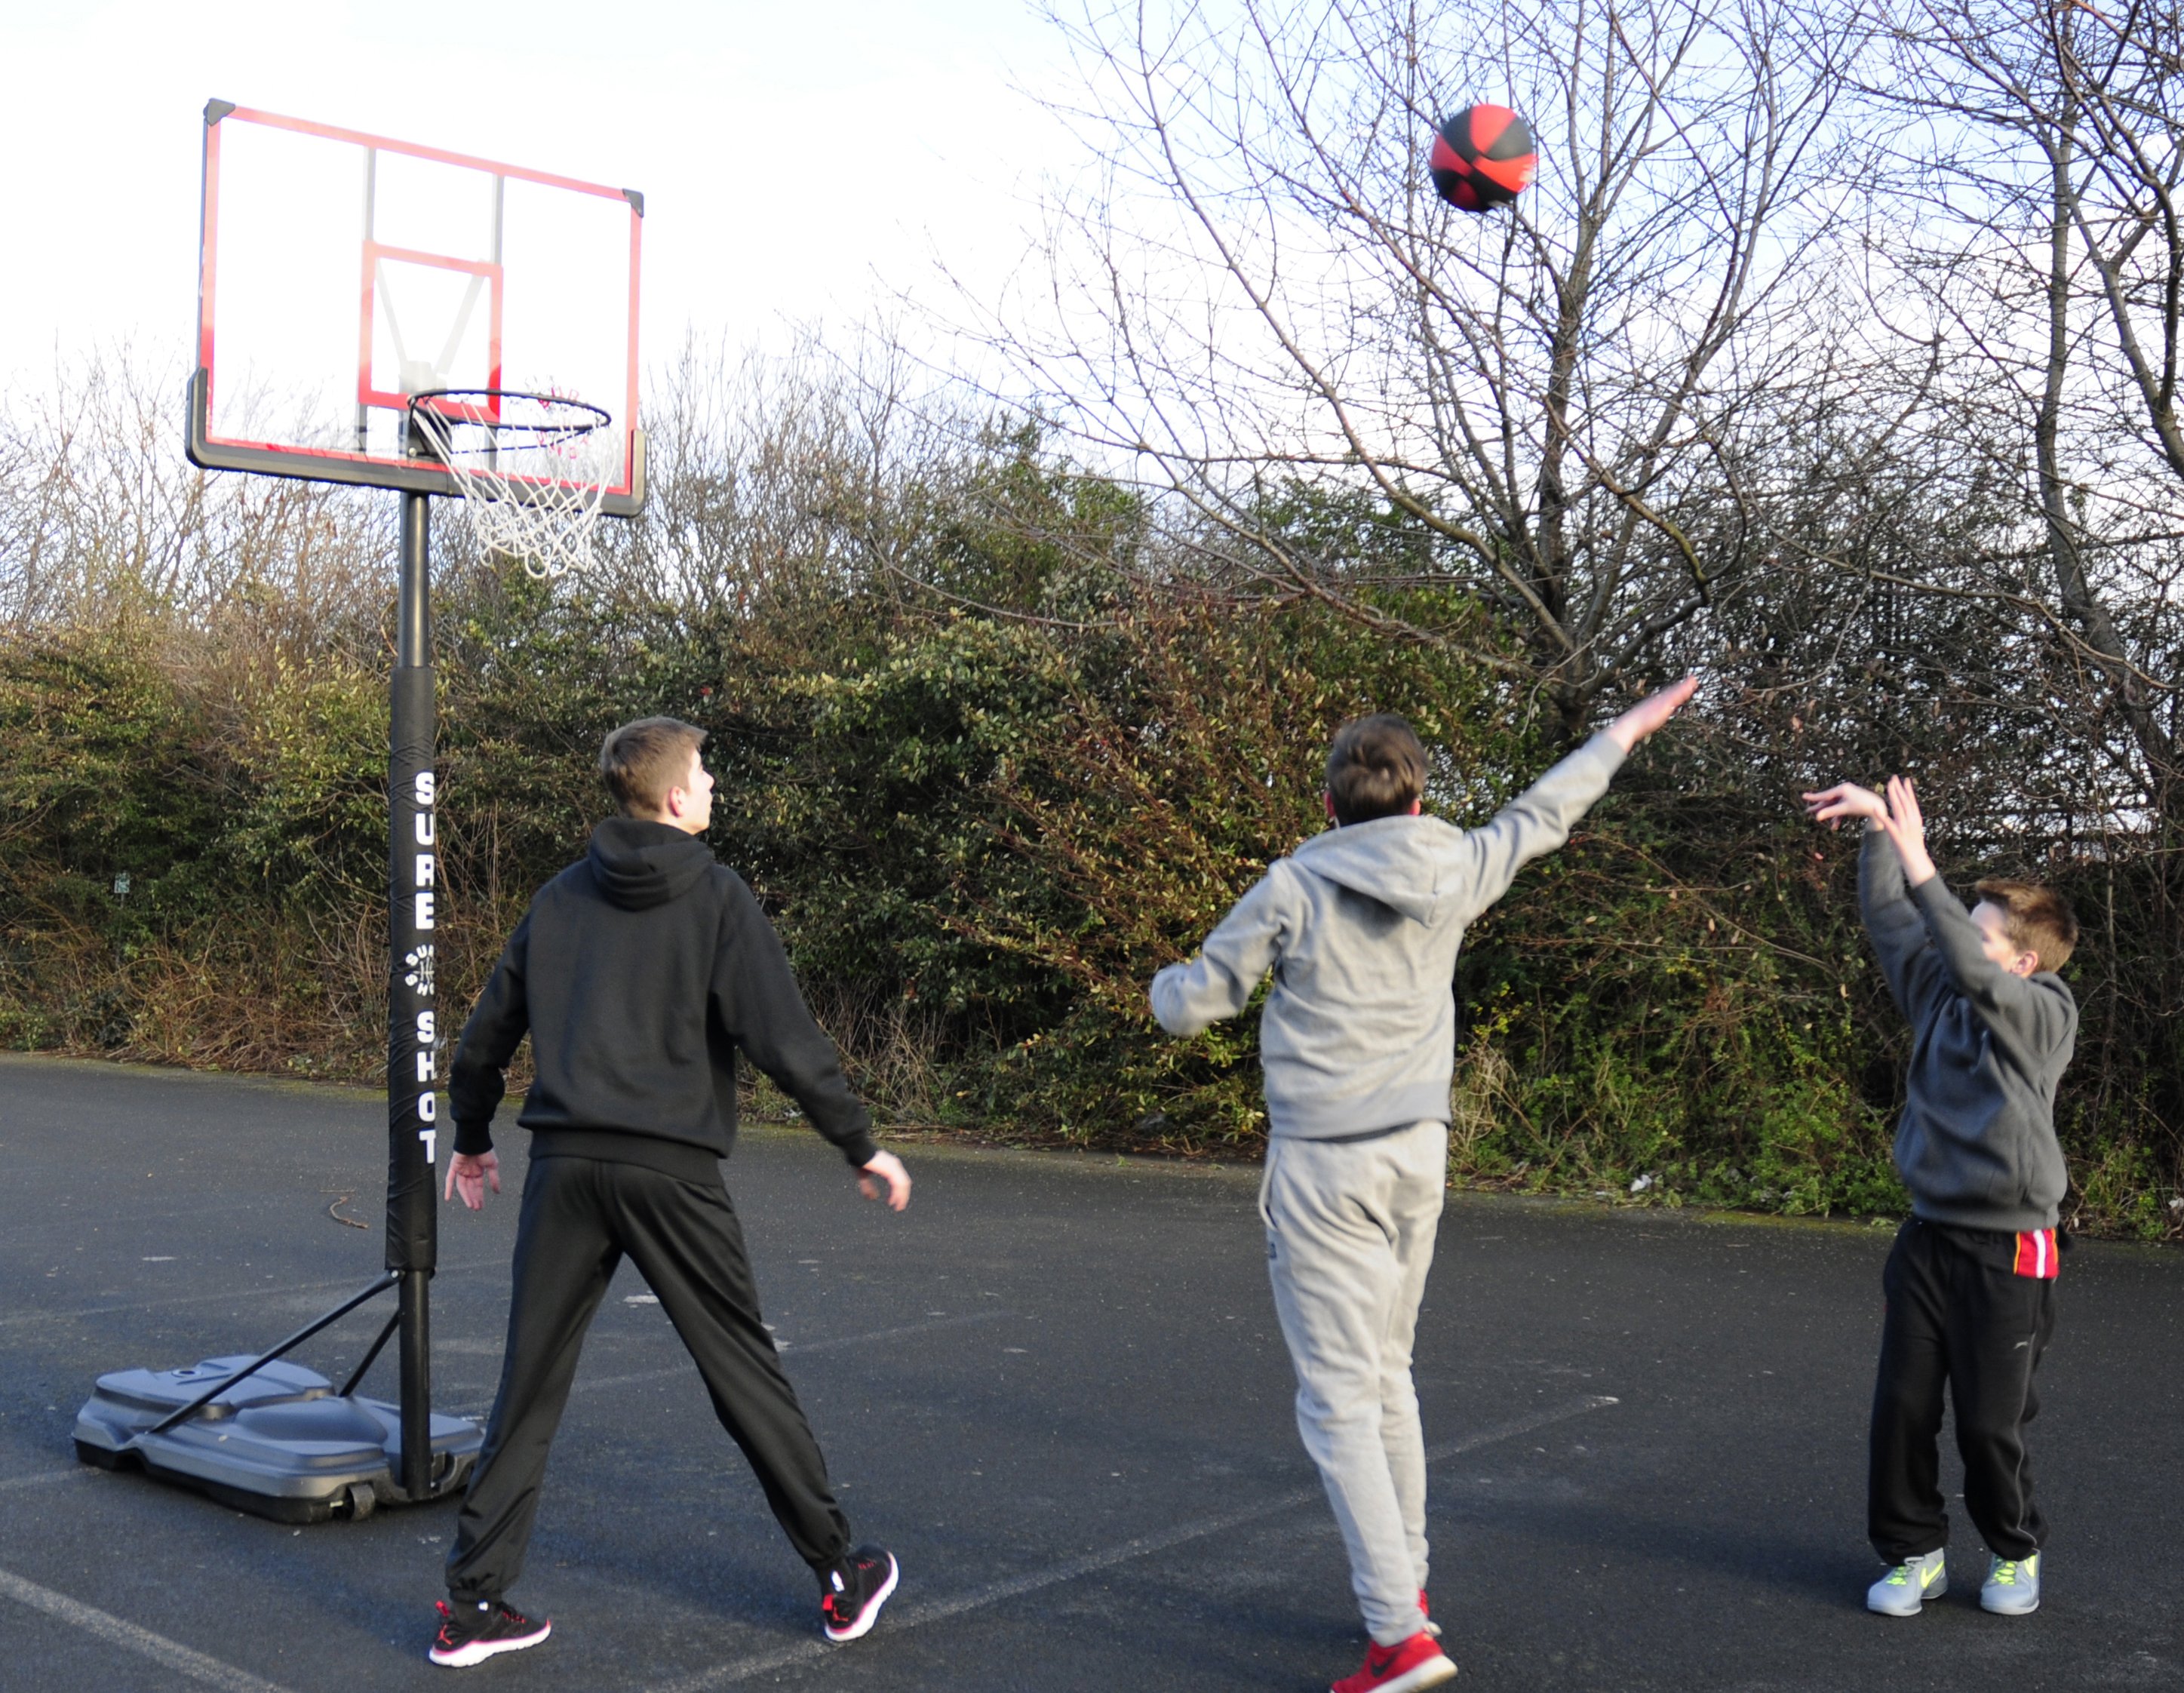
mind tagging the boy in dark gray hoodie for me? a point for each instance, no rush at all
(1360, 926)
(1971, 1281)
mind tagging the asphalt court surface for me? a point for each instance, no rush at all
(1054, 1388)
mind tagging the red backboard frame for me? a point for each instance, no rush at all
(213, 448)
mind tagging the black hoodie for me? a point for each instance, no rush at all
(639, 973)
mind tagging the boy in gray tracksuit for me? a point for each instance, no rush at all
(1360, 926)
(1971, 1282)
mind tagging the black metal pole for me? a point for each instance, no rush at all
(372, 1353)
(412, 1001)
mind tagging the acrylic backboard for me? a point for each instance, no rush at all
(341, 273)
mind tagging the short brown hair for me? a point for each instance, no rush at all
(642, 761)
(1376, 768)
(2035, 917)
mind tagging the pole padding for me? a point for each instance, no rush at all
(414, 1017)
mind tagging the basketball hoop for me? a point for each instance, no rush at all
(513, 284)
(532, 469)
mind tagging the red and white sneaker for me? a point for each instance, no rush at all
(1417, 1661)
(470, 1634)
(1426, 1611)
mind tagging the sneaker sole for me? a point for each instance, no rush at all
(1430, 1673)
(2011, 1610)
(477, 1652)
(871, 1614)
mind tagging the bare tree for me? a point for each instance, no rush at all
(834, 468)
(2047, 154)
(100, 514)
(1575, 402)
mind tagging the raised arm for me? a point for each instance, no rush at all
(1219, 982)
(2028, 1019)
(1536, 822)
(1893, 923)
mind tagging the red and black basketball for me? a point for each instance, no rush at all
(1483, 158)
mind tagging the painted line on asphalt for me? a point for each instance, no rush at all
(241, 1294)
(808, 1652)
(44, 1477)
(789, 1348)
(105, 1626)
(930, 1325)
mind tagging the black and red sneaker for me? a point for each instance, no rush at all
(852, 1591)
(470, 1634)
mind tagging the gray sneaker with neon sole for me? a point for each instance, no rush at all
(1905, 1590)
(2012, 1588)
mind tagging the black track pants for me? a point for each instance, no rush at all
(580, 1215)
(1958, 1315)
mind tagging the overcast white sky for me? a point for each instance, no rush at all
(798, 160)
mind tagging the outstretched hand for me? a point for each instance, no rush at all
(1897, 816)
(1845, 800)
(885, 1173)
(1650, 713)
(470, 1177)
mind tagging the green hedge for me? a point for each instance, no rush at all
(981, 834)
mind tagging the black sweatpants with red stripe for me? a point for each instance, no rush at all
(579, 1216)
(1971, 1310)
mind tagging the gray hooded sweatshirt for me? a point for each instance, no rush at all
(1976, 1142)
(1360, 926)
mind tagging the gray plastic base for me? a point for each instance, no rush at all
(279, 1444)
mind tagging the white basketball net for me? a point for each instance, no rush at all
(532, 478)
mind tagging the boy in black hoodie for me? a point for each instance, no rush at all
(1971, 1281)
(639, 973)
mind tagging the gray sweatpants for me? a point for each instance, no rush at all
(1350, 1236)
